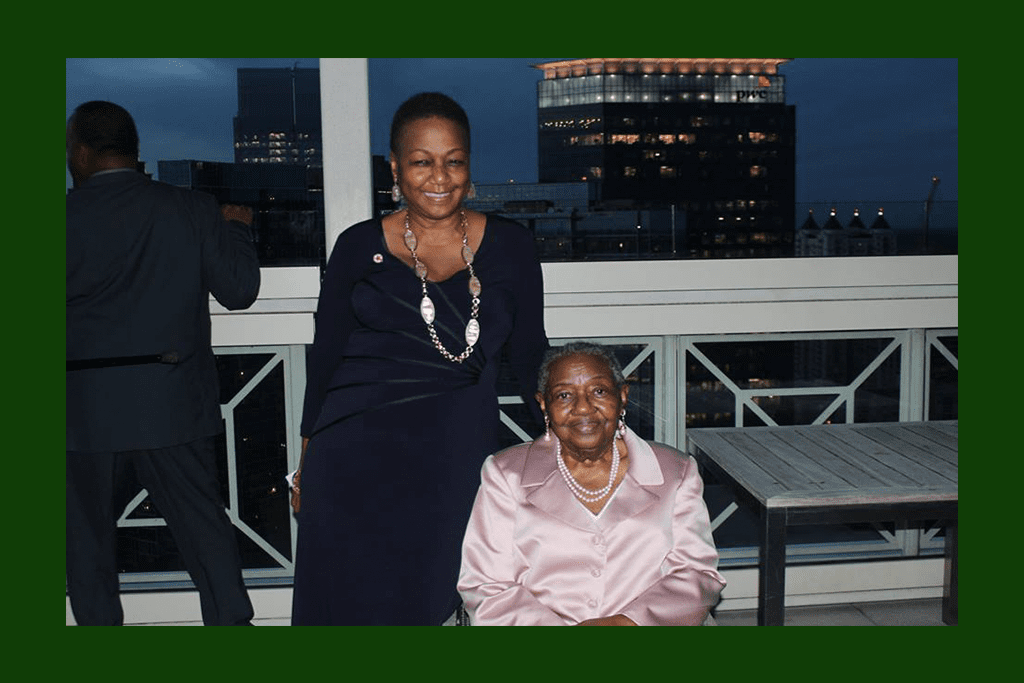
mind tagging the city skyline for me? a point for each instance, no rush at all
(872, 130)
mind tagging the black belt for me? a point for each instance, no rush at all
(171, 357)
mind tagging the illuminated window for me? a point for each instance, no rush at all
(668, 171)
(629, 171)
(758, 171)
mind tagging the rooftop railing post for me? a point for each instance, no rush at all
(915, 352)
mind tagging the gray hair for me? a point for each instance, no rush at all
(577, 348)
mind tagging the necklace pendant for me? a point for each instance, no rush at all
(472, 332)
(427, 310)
(410, 239)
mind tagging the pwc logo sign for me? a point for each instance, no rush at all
(757, 94)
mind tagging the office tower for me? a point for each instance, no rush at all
(288, 200)
(278, 120)
(711, 138)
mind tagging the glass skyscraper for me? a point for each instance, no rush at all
(713, 138)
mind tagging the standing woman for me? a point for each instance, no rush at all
(401, 402)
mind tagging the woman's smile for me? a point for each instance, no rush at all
(586, 426)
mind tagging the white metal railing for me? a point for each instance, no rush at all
(669, 310)
(666, 355)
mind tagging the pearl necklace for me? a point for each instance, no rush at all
(427, 310)
(582, 493)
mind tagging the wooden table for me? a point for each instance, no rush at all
(835, 474)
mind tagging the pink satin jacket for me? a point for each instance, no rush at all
(534, 555)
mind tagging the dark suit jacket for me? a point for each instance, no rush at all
(142, 259)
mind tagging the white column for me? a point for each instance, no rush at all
(348, 174)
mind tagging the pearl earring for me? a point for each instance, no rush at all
(622, 424)
(547, 428)
(396, 193)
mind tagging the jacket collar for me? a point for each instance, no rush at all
(546, 490)
(112, 175)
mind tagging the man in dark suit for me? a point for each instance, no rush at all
(143, 258)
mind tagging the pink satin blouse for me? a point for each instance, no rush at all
(534, 555)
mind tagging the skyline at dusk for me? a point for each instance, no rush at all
(867, 129)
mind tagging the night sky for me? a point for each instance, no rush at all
(867, 129)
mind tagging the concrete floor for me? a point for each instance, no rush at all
(926, 612)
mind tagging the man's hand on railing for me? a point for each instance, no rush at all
(234, 212)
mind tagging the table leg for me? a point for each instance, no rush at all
(772, 569)
(949, 584)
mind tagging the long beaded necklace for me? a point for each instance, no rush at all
(582, 493)
(427, 310)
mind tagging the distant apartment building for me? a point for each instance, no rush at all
(854, 239)
(710, 139)
(569, 223)
(278, 120)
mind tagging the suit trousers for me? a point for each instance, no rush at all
(182, 483)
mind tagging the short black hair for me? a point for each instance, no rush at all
(578, 348)
(424, 106)
(106, 128)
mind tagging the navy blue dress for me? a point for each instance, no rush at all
(398, 433)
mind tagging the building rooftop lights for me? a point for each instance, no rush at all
(648, 65)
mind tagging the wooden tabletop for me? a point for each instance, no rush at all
(835, 465)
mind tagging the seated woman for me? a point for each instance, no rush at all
(589, 524)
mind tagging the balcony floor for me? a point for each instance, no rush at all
(924, 612)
